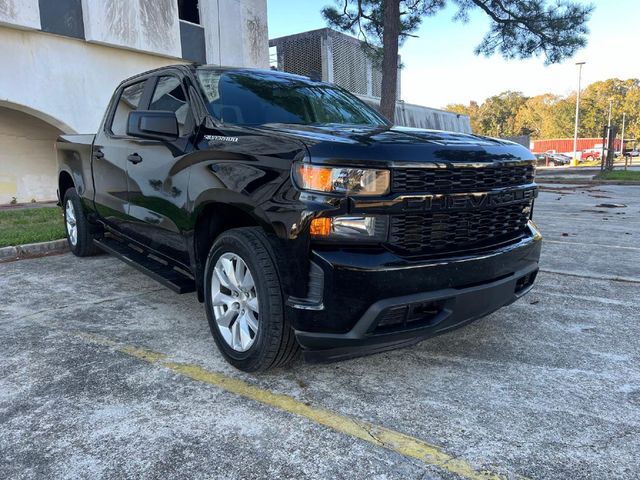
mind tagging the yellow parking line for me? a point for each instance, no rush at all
(374, 434)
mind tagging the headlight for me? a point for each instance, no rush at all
(347, 181)
(362, 228)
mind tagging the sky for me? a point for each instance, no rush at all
(440, 67)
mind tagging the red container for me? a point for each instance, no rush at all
(565, 145)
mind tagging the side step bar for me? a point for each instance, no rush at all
(152, 266)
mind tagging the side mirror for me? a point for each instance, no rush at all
(153, 124)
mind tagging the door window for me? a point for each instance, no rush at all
(169, 96)
(128, 102)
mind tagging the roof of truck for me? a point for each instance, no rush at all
(256, 71)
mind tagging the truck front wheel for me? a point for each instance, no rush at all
(77, 226)
(244, 302)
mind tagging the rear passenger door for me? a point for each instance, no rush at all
(158, 181)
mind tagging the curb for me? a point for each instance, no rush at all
(30, 250)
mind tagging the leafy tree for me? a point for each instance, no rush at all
(632, 109)
(623, 95)
(552, 116)
(497, 114)
(471, 110)
(519, 29)
(545, 116)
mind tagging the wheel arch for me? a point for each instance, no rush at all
(211, 219)
(65, 182)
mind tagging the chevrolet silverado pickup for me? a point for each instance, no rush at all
(302, 219)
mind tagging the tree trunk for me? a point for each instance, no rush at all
(390, 37)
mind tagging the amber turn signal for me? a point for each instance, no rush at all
(315, 178)
(320, 227)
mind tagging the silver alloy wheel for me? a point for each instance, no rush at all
(70, 220)
(234, 300)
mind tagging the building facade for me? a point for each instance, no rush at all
(61, 60)
(341, 59)
(332, 56)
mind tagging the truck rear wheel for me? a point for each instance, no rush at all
(77, 226)
(243, 298)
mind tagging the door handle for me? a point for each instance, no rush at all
(134, 158)
(98, 154)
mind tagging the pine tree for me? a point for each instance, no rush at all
(519, 29)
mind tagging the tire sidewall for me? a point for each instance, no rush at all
(72, 195)
(270, 318)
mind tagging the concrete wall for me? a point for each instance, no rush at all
(145, 25)
(27, 167)
(20, 13)
(418, 116)
(53, 85)
(66, 80)
(60, 64)
(236, 33)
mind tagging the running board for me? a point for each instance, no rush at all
(152, 266)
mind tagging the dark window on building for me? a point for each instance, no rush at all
(62, 17)
(128, 102)
(169, 96)
(188, 11)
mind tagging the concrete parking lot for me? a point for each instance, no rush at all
(105, 374)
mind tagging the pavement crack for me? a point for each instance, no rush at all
(367, 428)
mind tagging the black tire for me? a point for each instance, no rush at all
(590, 158)
(83, 246)
(274, 344)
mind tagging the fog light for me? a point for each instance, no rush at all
(535, 231)
(360, 228)
(320, 227)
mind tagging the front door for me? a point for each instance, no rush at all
(158, 178)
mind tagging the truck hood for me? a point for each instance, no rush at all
(399, 145)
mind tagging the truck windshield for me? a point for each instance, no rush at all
(258, 98)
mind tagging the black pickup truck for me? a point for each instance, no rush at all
(302, 218)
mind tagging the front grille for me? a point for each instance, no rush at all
(433, 233)
(463, 179)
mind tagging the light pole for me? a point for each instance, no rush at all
(624, 118)
(575, 134)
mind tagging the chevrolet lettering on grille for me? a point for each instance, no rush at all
(469, 201)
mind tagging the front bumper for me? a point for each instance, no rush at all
(373, 302)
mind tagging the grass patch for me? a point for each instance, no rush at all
(622, 175)
(30, 225)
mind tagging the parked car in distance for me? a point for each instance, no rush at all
(299, 216)
(632, 153)
(552, 159)
(591, 155)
